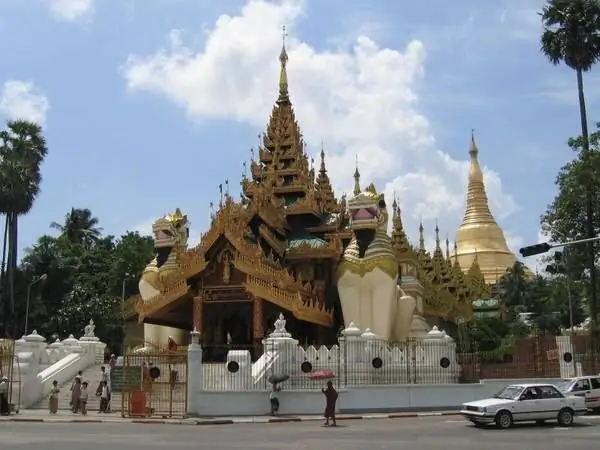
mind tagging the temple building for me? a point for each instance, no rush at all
(277, 249)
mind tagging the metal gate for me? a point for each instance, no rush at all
(152, 382)
(7, 369)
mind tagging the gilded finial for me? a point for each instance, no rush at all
(447, 247)
(421, 236)
(473, 150)
(323, 169)
(437, 234)
(356, 179)
(394, 207)
(283, 80)
(456, 252)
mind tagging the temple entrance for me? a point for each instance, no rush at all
(152, 382)
(226, 326)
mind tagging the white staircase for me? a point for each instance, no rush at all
(93, 376)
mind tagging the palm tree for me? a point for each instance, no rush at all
(22, 152)
(79, 227)
(572, 36)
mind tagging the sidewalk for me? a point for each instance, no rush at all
(93, 417)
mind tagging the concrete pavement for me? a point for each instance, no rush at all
(430, 433)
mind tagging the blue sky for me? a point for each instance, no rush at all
(149, 104)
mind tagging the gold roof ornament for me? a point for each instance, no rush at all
(479, 229)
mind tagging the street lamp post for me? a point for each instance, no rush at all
(123, 289)
(42, 277)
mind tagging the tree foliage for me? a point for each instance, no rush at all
(22, 152)
(566, 217)
(85, 279)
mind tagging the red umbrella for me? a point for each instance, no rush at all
(325, 374)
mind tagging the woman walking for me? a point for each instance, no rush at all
(331, 396)
(53, 401)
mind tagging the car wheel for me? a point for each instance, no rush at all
(565, 417)
(504, 420)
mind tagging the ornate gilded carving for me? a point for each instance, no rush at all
(290, 300)
(226, 261)
(268, 235)
(174, 291)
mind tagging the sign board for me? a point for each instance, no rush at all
(126, 378)
(552, 355)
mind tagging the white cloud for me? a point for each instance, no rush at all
(71, 10)
(362, 100)
(145, 229)
(23, 100)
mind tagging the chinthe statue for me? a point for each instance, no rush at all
(368, 273)
(171, 234)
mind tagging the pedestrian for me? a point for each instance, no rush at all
(331, 396)
(75, 394)
(103, 379)
(104, 398)
(274, 399)
(4, 407)
(83, 398)
(53, 400)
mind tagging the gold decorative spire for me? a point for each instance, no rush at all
(327, 198)
(479, 229)
(421, 236)
(356, 179)
(447, 248)
(284, 95)
(437, 235)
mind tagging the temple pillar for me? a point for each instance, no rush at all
(257, 326)
(197, 315)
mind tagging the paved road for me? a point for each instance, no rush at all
(416, 434)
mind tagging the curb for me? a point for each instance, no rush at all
(236, 421)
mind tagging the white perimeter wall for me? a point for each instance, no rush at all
(360, 399)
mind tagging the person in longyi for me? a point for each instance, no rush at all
(331, 396)
(53, 400)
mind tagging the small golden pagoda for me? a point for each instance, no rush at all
(479, 238)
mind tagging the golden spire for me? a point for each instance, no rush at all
(447, 247)
(479, 231)
(356, 179)
(421, 236)
(478, 210)
(284, 95)
(437, 235)
(327, 198)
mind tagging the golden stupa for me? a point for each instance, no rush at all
(479, 237)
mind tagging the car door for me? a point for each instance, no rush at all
(592, 400)
(529, 406)
(550, 402)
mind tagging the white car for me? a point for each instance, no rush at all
(586, 387)
(525, 402)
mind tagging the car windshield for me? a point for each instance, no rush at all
(565, 385)
(509, 393)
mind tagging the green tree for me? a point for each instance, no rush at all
(566, 217)
(79, 227)
(22, 152)
(572, 36)
(84, 281)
